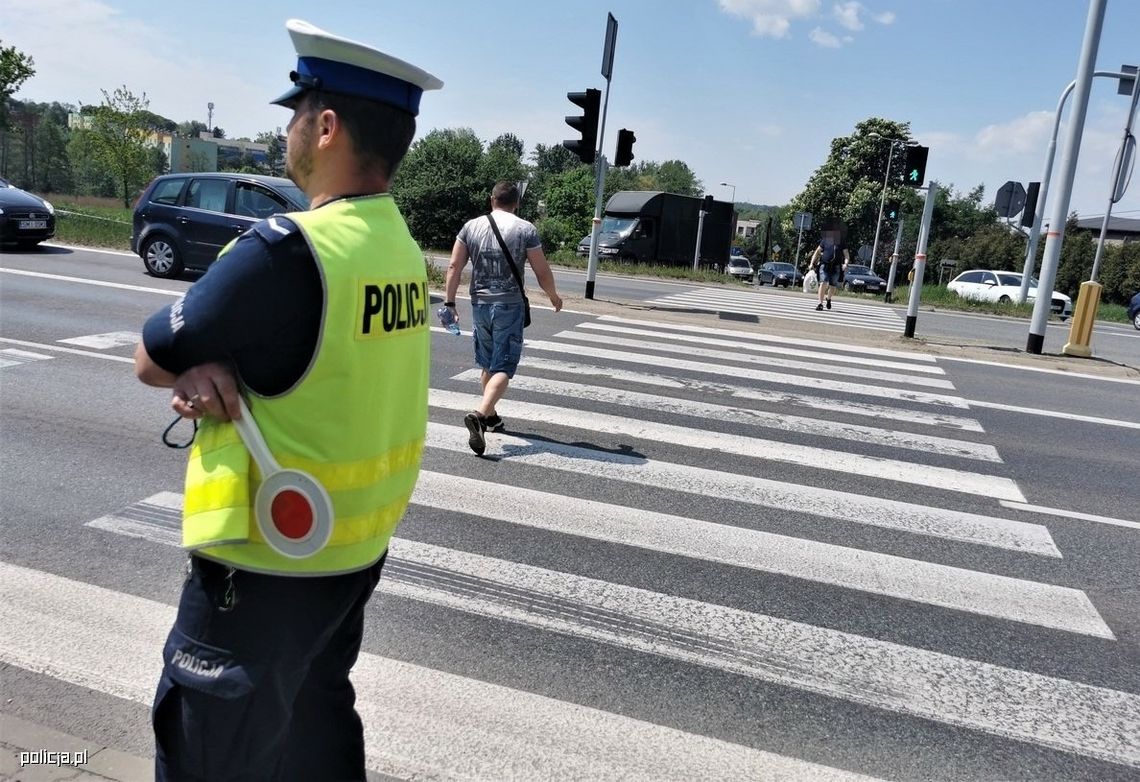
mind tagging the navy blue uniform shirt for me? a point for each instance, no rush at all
(258, 309)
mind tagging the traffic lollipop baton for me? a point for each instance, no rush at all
(293, 510)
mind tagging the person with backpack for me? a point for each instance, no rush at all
(830, 261)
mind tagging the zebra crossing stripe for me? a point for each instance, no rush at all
(822, 427)
(721, 341)
(779, 495)
(795, 303)
(747, 373)
(843, 315)
(768, 361)
(827, 459)
(1069, 716)
(418, 722)
(1073, 717)
(828, 346)
(11, 357)
(779, 399)
(929, 583)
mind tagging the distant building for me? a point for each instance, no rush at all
(188, 154)
(1121, 230)
(746, 229)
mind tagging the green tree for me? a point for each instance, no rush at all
(569, 208)
(274, 153)
(15, 68)
(675, 176)
(848, 187)
(53, 166)
(439, 186)
(89, 177)
(121, 133)
(192, 129)
(503, 160)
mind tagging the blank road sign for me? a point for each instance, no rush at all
(1010, 199)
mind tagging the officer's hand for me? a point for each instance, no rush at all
(207, 389)
(555, 301)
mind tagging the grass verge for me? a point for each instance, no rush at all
(89, 224)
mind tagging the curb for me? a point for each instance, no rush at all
(24, 757)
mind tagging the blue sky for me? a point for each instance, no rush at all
(749, 92)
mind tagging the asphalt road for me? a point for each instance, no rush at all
(707, 548)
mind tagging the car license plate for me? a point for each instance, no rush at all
(32, 225)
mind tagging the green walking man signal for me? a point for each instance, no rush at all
(915, 166)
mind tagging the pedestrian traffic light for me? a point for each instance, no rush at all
(892, 211)
(915, 172)
(590, 102)
(707, 204)
(624, 154)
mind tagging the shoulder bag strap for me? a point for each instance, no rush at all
(506, 252)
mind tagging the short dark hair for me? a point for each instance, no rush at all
(505, 193)
(381, 134)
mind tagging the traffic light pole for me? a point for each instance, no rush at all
(599, 191)
(920, 261)
(882, 203)
(1085, 67)
(600, 161)
(700, 231)
(894, 263)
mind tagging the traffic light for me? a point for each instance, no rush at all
(892, 212)
(915, 173)
(707, 204)
(624, 154)
(590, 102)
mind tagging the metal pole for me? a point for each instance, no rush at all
(920, 261)
(882, 202)
(799, 241)
(599, 191)
(1039, 217)
(894, 262)
(1056, 235)
(700, 230)
(1123, 158)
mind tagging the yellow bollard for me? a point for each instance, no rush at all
(1084, 315)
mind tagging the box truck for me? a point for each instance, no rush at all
(661, 228)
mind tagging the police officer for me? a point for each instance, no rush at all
(319, 319)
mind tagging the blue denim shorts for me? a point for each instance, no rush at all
(498, 332)
(830, 277)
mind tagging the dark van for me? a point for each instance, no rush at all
(181, 221)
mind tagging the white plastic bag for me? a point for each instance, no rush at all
(811, 282)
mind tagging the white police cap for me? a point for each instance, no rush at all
(330, 63)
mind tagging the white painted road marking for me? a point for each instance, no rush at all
(746, 373)
(419, 723)
(818, 426)
(767, 361)
(771, 450)
(113, 339)
(827, 356)
(780, 399)
(100, 283)
(824, 503)
(1071, 514)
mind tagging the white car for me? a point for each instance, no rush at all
(739, 267)
(1003, 288)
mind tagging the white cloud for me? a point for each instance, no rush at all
(847, 14)
(101, 41)
(771, 18)
(823, 38)
(887, 17)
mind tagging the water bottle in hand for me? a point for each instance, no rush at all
(447, 318)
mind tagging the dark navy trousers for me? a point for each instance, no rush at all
(255, 683)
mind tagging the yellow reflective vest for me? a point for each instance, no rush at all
(356, 421)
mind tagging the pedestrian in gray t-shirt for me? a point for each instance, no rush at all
(496, 299)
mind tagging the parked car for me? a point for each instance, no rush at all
(1003, 288)
(25, 219)
(776, 273)
(739, 267)
(181, 221)
(862, 280)
(1134, 310)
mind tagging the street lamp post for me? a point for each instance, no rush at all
(729, 184)
(883, 198)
